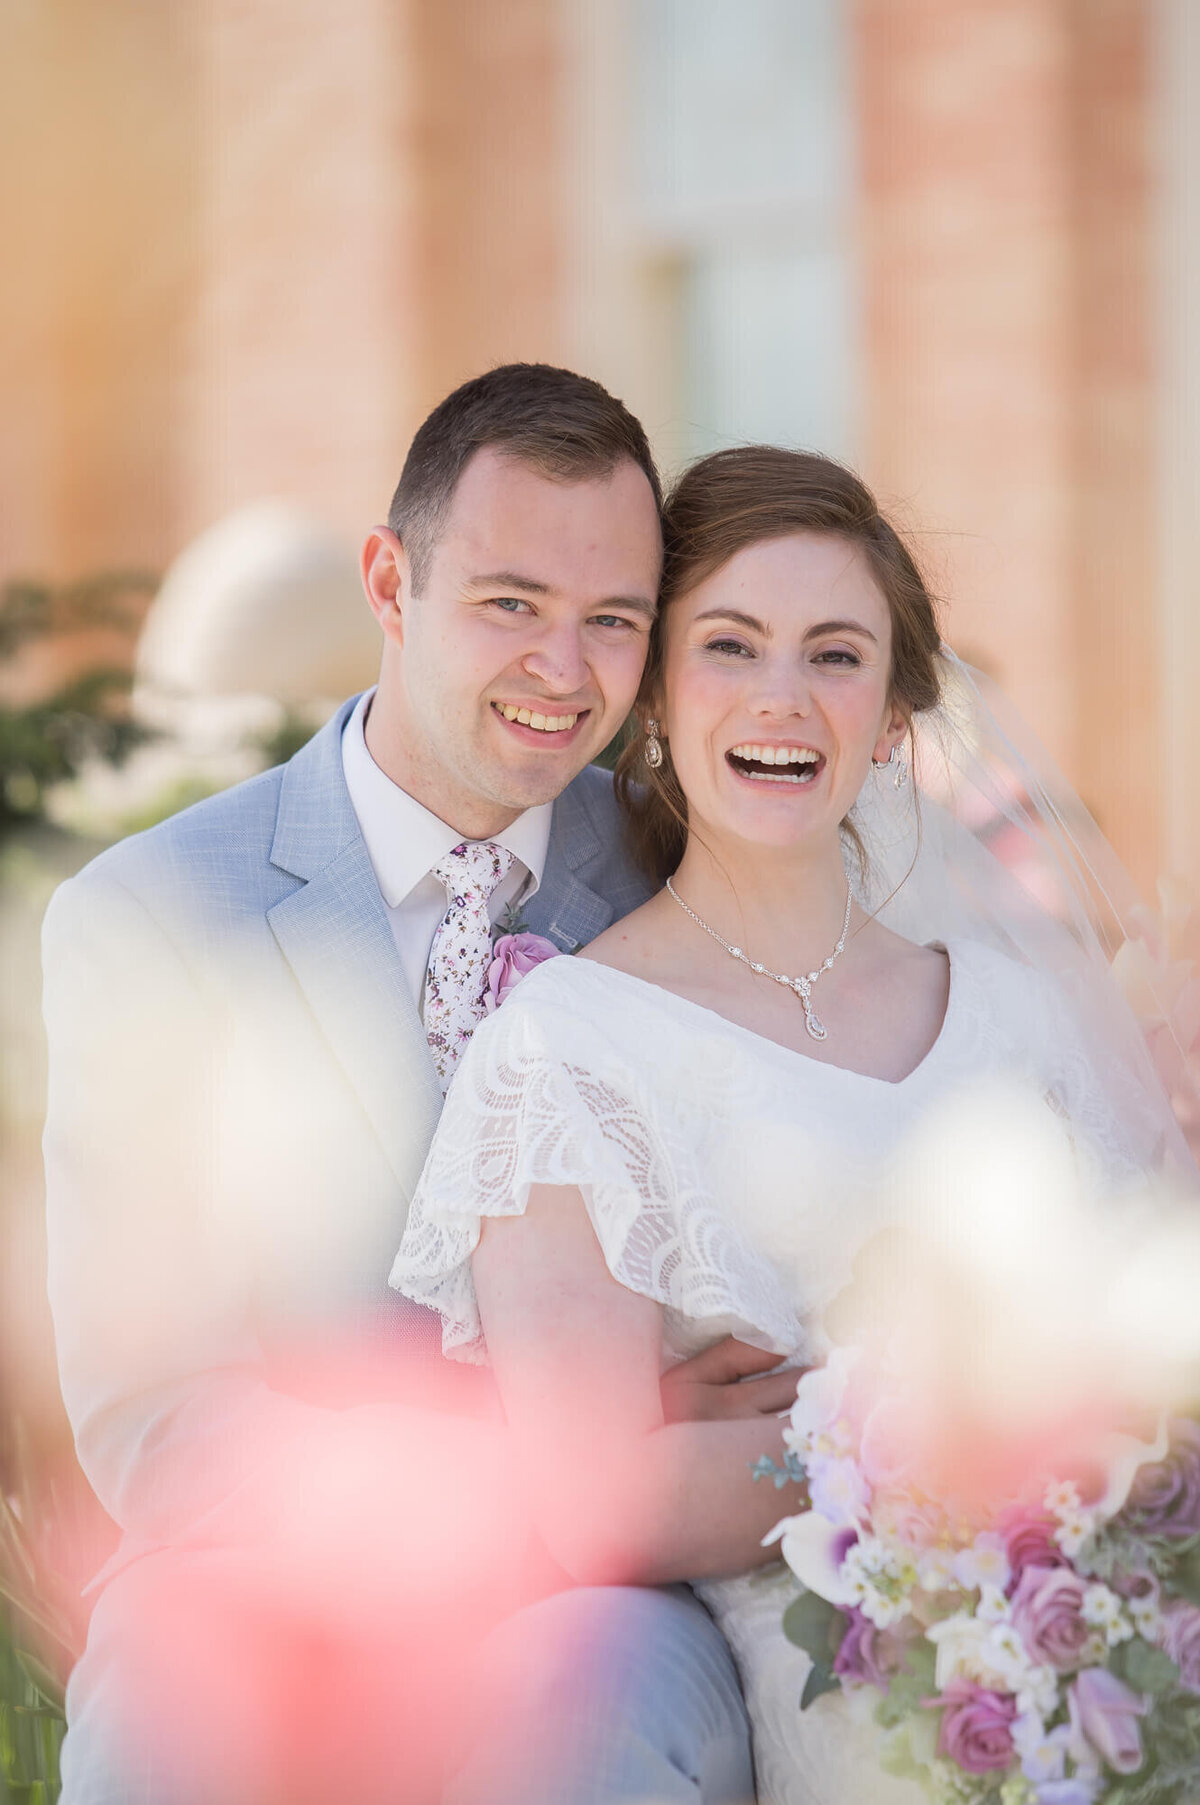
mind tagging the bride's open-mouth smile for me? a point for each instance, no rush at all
(789, 766)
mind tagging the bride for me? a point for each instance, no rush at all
(685, 1131)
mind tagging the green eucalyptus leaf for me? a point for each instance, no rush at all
(821, 1679)
(1184, 1578)
(1145, 1668)
(809, 1622)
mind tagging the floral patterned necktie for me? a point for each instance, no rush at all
(456, 977)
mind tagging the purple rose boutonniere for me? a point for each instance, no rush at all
(512, 956)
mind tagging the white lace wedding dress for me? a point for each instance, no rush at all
(733, 1181)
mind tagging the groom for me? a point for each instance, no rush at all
(253, 1012)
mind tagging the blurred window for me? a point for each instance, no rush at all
(744, 190)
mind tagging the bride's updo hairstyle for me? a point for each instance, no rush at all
(718, 507)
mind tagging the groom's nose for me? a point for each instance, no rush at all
(556, 658)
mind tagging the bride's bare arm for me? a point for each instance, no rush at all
(622, 1496)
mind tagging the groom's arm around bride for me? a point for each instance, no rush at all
(251, 1027)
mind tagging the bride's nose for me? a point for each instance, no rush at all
(781, 690)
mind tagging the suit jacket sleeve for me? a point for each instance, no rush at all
(176, 1428)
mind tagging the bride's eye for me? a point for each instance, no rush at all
(837, 655)
(729, 647)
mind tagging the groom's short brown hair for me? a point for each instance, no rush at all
(564, 425)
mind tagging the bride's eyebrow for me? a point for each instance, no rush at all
(734, 614)
(841, 626)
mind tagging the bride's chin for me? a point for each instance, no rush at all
(744, 835)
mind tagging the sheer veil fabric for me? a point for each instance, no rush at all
(990, 842)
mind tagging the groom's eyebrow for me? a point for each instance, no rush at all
(509, 579)
(512, 579)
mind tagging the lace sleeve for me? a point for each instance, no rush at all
(542, 1098)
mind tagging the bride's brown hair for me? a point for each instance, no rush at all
(721, 505)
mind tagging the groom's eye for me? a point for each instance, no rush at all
(612, 620)
(508, 604)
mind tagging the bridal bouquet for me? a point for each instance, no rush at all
(1044, 1651)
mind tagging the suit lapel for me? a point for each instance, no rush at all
(335, 935)
(334, 932)
(564, 908)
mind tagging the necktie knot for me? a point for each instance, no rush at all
(471, 870)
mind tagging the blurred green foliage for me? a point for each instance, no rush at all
(612, 752)
(38, 1646)
(46, 740)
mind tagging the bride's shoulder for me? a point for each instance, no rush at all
(564, 1000)
(1000, 985)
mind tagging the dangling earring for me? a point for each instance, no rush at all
(900, 775)
(653, 753)
(899, 765)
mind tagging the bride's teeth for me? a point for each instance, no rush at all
(537, 720)
(775, 755)
(509, 711)
(523, 716)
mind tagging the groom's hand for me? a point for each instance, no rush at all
(727, 1380)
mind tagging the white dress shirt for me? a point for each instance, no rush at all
(404, 840)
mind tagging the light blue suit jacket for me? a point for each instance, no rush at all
(241, 1099)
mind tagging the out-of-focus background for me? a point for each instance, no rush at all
(249, 243)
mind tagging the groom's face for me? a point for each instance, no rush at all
(520, 655)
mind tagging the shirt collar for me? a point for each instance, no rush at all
(404, 839)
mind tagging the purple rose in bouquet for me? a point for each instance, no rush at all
(1105, 1711)
(1029, 1542)
(1164, 1498)
(867, 1653)
(1179, 1636)
(1047, 1609)
(512, 956)
(976, 1727)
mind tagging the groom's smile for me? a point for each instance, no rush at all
(540, 726)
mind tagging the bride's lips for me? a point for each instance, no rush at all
(776, 766)
(543, 726)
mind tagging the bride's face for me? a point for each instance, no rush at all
(776, 681)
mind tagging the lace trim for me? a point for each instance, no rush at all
(517, 1116)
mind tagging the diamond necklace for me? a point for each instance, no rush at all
(801, 986)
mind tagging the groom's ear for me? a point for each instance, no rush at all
(387, 580)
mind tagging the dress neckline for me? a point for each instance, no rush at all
(777, 1046)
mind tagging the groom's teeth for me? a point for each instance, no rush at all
(542, 723)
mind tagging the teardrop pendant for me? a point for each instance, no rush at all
(801, 987)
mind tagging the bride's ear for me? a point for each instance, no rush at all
(895, 728)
